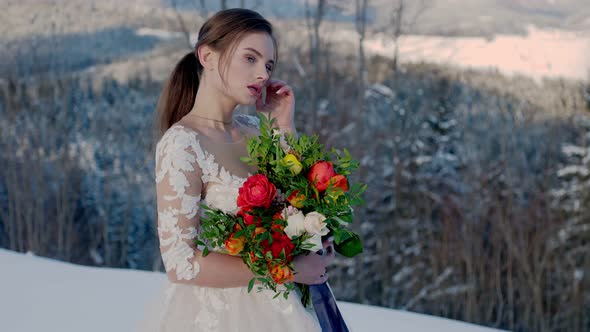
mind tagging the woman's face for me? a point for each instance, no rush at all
(249, 68)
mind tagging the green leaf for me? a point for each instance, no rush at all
(350, 247)
(251, 284)
(341, 235)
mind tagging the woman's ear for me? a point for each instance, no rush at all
(207, 57)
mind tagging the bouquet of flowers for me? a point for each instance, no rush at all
(300, 195)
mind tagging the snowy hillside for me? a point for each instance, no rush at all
(40, 294)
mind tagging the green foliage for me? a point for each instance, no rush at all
(268, 152)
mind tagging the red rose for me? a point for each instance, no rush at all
(257, 191)
(247, 217)
(321, 173)
(339, 182)
(277, 227)
(280, 242)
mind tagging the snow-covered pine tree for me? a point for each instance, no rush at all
(572, 240)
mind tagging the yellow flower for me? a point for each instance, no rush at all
(334, 196)
(294, 165)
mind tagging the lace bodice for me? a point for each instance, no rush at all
(190, 170)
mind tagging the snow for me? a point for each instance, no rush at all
(41, 294)
(543, 52)
(570, 150)
(573, 170)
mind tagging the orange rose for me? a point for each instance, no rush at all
(296, 199)
(320, 173)
(339, 182)
(253, 258)
(234, 245)
(258, 230)
(278, 216)
(281, 273)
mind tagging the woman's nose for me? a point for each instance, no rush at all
(264, 75)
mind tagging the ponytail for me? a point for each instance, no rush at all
(221, 32)
(178, 97)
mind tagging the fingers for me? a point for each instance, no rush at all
(328, 248)
(279, 87)
(321, 278)
(260, 102)
(327, 252)
(276, 83)
(284, 90)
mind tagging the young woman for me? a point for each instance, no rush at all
(198, 161)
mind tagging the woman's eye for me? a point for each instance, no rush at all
(269, 68)
(250, 59)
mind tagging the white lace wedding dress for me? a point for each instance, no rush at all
(192, 169)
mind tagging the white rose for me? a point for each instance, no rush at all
(316, 243)
(314, 224)
(295, 225)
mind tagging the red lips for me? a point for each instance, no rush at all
(255, 89)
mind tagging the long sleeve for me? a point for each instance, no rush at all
(178, 187)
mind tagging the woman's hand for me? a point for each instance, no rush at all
(311, 269)
(279, 103)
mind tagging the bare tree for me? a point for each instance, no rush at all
(361, 24)
(402, 19)
(587, 92)
(183, 27)
(313, 23)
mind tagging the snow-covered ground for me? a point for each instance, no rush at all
(540, 53)
(40, 294)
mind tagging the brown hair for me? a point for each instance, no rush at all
(221, 32)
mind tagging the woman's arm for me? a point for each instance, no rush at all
(178, 190)
(218, 271)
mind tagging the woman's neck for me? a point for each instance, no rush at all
(211, 104)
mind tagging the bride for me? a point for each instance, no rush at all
(198, 161)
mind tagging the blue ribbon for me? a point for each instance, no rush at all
(326, 308)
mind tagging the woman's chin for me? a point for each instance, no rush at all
(248, 101)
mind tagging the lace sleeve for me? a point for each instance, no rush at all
(178, 188)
